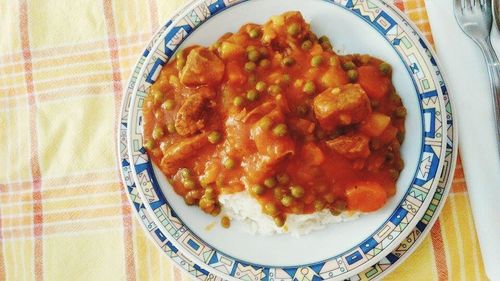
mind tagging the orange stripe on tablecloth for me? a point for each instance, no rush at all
(35, 164)
(73, 48)
(459, 178)
(400, 5)
(439, 253)
(2, 259)
(14, 188)
(67, 227)
(177, 273)
(117, 88)
(153, 12)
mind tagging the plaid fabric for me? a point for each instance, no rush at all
(63, 212)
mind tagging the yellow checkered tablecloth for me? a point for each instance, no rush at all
(63, 212)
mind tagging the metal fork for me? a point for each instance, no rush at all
(475, 18)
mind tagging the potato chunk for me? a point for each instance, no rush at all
(203, 67)
(346, 105)
(285, 28)
(351, 147)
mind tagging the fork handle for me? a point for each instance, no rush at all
(494, 73)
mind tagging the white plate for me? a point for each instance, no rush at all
(370, 244)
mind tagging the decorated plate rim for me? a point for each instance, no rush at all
(395, 9)
(356, 253)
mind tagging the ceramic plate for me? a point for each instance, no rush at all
(427, 96)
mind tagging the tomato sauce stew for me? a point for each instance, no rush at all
(272, 109)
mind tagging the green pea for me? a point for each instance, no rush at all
(148, 144)
(306, 45)
(293, 29)
(340, 204)
(274, 90)
(394, 174)
(287, 61)
(400, 136)
(250, 66)
(302, 109)
(309, 88)
(270, 209)
(395, 98)
(168, 104)
(326, 46)
(265, 123)
(185, 173)
(252, 95)
(317, 60)
(280, 130)
(319, 205)
(180, 63)
(253, 55)
(157, 96)
(348, 65)
(171, 127)
(279, 221)
(338, 207)
(323, 39)
(279, 192)
(250, 48)
(385, 68)
(270, 182)
(214, 137)
(364, 59)
(258, 189)
(352, 74)
(209, 193)
(158, 133)
(285, 80)
(216, 211)
(225, 222)
(265, 63)
(238, 101)
(179, 54)
(253, 33)
(190, 200)
(260, 86)
(389, 157)
(189, 183)
(228, 163)
(297, 191)
(400, 112)
(287, 200)
(333, 61)
(283, 178)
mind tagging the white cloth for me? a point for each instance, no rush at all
(467, 79)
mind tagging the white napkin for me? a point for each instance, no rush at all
(467, 79)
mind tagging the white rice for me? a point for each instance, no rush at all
(243, 207)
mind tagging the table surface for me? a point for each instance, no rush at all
(63, 211)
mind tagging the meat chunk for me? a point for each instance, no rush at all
(191, 115)
(203, 67)
(180, 151)
(346, 105)
(351, 147)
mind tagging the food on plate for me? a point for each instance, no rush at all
(272, 119)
